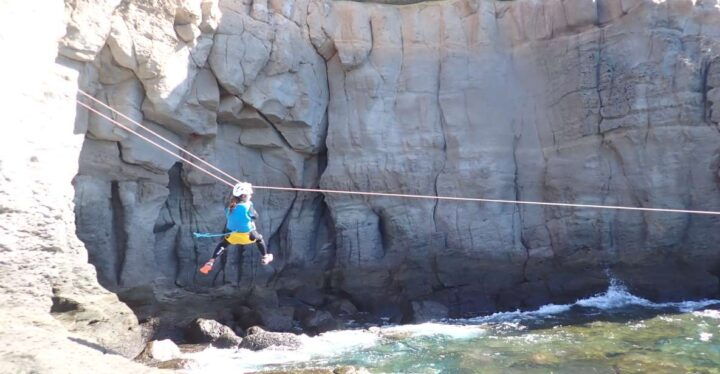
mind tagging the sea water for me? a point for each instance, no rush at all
(613, 332)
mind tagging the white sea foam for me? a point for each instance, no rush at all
(689, 306)
(336, 343)
(242, 360)
(617, 296)
(543, 311)
(709, 313)
(434, 329)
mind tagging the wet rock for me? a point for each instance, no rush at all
(662, 284)
(342, 307)
(174, 364)
(209, 331)
(257, 339)
(192, 348)
(338, 370)
(315, 321)
(388, 313)
(465, 302)
(424, 311)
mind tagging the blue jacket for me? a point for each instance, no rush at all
(241, 218)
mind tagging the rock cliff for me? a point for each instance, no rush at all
(55, 317)
(609, 102)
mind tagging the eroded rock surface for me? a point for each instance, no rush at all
(258, 339)
(588, 102)
(209, 331)
(55, 317)
(612, 102)
(608, 103)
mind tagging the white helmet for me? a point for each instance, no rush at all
(242, 188)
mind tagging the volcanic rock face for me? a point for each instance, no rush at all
(54, 315)
(581, 102)
(611, 102)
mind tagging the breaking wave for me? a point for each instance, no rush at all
(335, 343)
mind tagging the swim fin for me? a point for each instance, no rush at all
(205, 269)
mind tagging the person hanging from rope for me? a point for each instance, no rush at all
(241, 216)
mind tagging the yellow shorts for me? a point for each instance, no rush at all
(239, 238)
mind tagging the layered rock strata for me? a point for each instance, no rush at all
(610, 102)
(55, 317)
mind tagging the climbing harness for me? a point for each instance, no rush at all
(328, 191)
(240, 238)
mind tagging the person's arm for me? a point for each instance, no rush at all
(253, 212)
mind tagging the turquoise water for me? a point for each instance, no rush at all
(614, 332)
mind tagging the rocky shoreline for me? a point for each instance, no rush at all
(266, 321)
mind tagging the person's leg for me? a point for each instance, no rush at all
(219, 250)
(254, 235)
(221, 247)
(260, 242)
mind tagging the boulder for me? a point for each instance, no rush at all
(209, 331)
(257, 339)
(174, 364)
(162, 350)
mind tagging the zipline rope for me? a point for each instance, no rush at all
(158, 135)
(360, 193)
(154, 143)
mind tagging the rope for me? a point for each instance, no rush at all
(154, 143)
(158, 135)
(359, 193)
(501, 201)
(208, 235)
